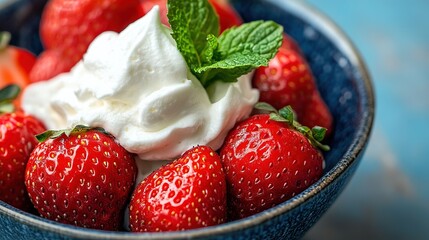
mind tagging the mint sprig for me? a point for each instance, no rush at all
(211, 57)
(192, 23)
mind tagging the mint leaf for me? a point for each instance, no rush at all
(210, 50)
(236, 52)
(241, 50)
(192, 23)
(259, 37)
(229, 69)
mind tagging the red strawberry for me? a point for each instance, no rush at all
(15, 64)
(317, 113)
(74, 24)
(52, 62)
(71, 26)
(228, 17)
(83, 177)
(185, 194)
(147, 5)
(17, 131)
(268, 161)
(290, 43)
(288, 80)
(17, 140)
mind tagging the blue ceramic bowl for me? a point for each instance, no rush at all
(343, 81)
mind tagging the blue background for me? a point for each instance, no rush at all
(388, 198)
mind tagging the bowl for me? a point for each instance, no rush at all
(343, 81)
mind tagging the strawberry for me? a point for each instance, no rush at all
(269, 159)
(15, 64)
(228, 17)
(188, 193)
(50, 63)
(74, 24)
(290, 43)
(81, 177)
(17, 140)
(147, 5)
(317, 113)
(288, 80)
(71, 26)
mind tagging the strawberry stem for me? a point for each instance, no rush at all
(315, 135)
(7, 95)
(51, 134)
(4, 40)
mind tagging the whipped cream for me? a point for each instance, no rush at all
(138, 87)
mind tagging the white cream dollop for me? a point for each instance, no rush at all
(137, 86)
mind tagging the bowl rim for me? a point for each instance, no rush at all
(327, 27)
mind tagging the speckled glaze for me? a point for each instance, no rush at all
(344, 84)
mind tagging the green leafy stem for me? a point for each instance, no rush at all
(52, 134)
(7, 95)
(287, 115)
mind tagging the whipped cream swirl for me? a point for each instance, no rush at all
(138, 87)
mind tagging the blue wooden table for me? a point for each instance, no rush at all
(388, 198)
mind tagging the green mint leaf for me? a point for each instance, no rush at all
(236, 52)
(241, 50)
(210, 51)
(258, 37)
(230, 68)
(192, 23)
